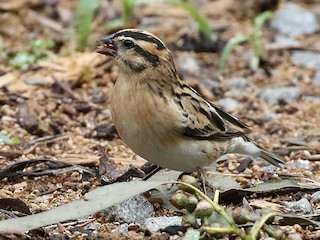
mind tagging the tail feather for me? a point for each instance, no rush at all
(244, 145)
(270, 157)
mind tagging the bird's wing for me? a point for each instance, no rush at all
(204, 120)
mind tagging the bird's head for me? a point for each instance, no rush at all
(135, 50)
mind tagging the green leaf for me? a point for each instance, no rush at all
(256, 39)
(232, 43)
(127, 10)
(84, 17)
(192, 234)
(196, 15)
(6, 140)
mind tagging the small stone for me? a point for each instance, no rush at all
(315, 197)
(306, 59)
(316, 79)
(266, 117)
(229, 104)
(122, 229)
(188, 64)
(301, 164)
(38, 81)
(133, 210)
(282, 40)
(303, 22)
(238, 83)
(154, 224)
(295, 236)
(280, 94)
(301, 206)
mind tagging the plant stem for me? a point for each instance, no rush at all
(214, 230)
(258, 225)
(218, 209)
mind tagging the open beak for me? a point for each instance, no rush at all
(105, 46)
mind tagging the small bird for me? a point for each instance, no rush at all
(161, 118)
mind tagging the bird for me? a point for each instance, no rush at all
(160, 117)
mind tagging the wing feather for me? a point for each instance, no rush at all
(203, 120)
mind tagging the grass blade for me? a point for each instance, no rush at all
(232, 43)
(84, 17)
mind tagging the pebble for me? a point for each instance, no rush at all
(301, 164)
(284, 94)
(269, 116)
(133, 210)
(188, 64)
(228, 104)
(122, 229)
(303, 22)
(306, 59)
(154, 224)
(316, 79)
(238, 83)
(315, 197)
(283, 40)
(38, 81)
(301, 206)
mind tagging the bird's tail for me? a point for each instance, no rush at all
(270, 157)
(244, 145)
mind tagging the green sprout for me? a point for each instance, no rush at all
(37, 51)
(84, 17)
(208, 210)
(128, 6)
(4, 139)
(255, 40)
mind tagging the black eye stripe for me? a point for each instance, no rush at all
(141, 36)
(153, 59)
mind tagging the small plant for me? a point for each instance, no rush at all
(215, 221)
(127, 13)
(6, 140)
(128, 6)
(255, 40)
(23, 59)
(84, 17)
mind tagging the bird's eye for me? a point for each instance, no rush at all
(128, 43)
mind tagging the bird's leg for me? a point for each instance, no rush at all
(201, 176)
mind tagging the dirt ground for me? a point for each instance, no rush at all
(58, 107)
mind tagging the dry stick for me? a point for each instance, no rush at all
(45, 139)
(65, 88)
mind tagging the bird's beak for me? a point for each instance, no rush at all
(106, 46)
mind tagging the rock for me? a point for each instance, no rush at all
(122, 229)
(286, 41)
(301, 206)
(228, 104)
(316, 79)
(294, 20)
(315, 197)
(188, 64)
(280, 94)
(133, 210)
(27, 117)
(266, 117)
(306, 59)
(154, 224)
(239, 83)
(38, 81)
(301, 164)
